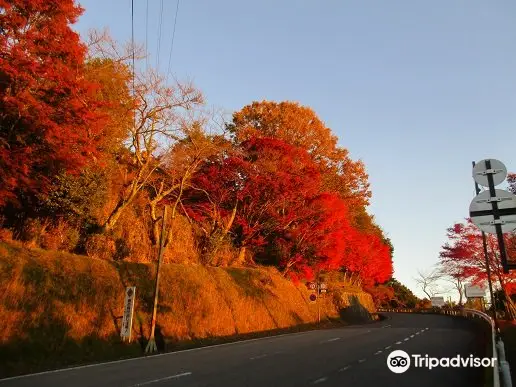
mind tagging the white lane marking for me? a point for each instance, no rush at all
(406, 339)
(362, 360)
(162, 379)
(378, 352)
(140, 358)
(258, 357)
(387, 347)
(398, 342)
(323, 379)
(386, 326)
(417, 333)
(330, 340)
(411, 336)
(344, 368)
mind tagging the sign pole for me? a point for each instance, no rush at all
(488, 268)
(318, 296)
(496, 215)
(151, 345)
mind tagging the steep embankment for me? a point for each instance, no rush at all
(58, 308)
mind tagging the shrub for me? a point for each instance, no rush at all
(100, 246)
(59, 237)
(6, 235)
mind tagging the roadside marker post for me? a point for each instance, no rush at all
(127, 320)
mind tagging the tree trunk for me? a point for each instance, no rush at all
(120, 207)
(509, 305)
(241, 256)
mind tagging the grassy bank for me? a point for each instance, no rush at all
(59, 309)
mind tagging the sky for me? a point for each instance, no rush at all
(417, 90)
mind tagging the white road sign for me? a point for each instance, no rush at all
(127, 321)
(482, 214)
(497, 170)
(437, 301)
(474, 291)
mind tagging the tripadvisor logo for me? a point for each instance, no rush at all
(399, 361)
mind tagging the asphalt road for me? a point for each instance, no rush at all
(349, 356)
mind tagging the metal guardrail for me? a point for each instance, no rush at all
(498, 348)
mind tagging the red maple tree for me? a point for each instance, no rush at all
(48, 114)
(464, 255)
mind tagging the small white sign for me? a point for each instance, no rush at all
(497, 169)
(474, 291)
(482, 214)
(437, 301)
(127, 321)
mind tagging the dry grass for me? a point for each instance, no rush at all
(58, 308)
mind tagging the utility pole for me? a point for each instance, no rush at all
(151, 345)
(488, 268)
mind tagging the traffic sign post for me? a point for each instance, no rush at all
(317, 289)
(493, 211)
(488, 268)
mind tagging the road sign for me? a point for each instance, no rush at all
(437, 301)
(313, 297)
(486, 218)
(497, 170)
(127, 321)
(474, 291)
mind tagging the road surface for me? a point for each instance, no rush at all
(349, 356)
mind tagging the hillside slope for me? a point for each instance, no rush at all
(58, 309)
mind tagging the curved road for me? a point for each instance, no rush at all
(349, 356)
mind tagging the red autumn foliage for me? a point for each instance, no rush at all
(48, 118)
(464, 253)
(282, 215)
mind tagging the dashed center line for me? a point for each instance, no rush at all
(387, 347)
(344, 368)
(406, 339)
(378, 352)
(411, 336)
(417, 333)
(323, 379)
(362, 360)
(258, 357)
(398, 342)
(162, 379)
(334, 339)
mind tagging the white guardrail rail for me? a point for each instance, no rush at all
(498, 348)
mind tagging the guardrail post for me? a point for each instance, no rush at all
(503, 364)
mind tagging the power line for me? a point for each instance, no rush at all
(159, 33)
(133, 56)
(172, 44)
(132, 38)
(147, 36)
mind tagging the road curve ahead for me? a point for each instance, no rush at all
(349, 356)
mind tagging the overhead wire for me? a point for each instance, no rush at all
(159, 34)
(147, 36)
(132, 40)
(172, 43)
(133, 57)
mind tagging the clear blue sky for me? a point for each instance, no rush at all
(415, 89)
